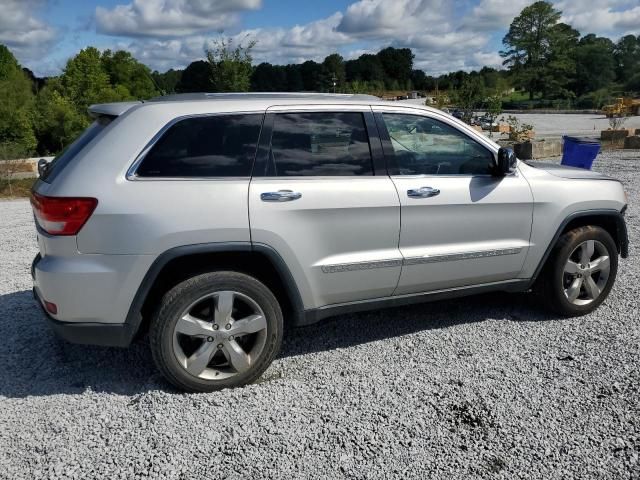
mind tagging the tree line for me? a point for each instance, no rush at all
(548, 61)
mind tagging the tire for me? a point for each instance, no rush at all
(228, 324)
(560, 280)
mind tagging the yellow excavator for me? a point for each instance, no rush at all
(624, 107)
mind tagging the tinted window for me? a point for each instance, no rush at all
(319, 144)
(215, 146)
(64, 158)
(424, 146)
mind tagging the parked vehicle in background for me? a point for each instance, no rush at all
(215, 221)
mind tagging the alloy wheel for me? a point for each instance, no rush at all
(220, 335)
(586, 272)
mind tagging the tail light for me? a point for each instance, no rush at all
(62, 215)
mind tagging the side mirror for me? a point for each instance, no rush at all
(42, 166)
(506, 162)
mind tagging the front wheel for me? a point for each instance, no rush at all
(580, 272)
(216, 330)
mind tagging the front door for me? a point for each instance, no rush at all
(316, 198)
(460, 225)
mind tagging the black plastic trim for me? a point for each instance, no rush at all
(623, 239)
(134, 317)
(86, 333)
(315, 315)
(375, 144)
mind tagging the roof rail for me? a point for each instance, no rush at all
(262, 95)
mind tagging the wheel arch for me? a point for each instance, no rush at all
(612, 221)
(179, 263)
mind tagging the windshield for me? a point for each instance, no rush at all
(69, 153)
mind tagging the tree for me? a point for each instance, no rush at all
(528, 43)
(126, 71)
(167, 81)
(312, 76)
(16, 107)
(469, 96)
(397, 64)
(595, 64)
(560, 68)
(57, 122)
(334, 70)
(494, 108)
(366, 67)
(230, 67)
(84, 81)
(196, 78)
(627, 57)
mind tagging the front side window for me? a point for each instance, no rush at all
(214, 146)
(319, 144)
(425, 146)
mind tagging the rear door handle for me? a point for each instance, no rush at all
(280, 196)
(423, 192)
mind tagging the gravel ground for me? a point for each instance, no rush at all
(489, 387)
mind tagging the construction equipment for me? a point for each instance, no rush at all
(623, 107)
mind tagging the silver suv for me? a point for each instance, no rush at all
(214, 221)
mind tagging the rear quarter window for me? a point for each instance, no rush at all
(213, 146)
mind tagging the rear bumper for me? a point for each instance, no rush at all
(89, 331)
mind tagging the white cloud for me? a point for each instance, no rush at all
(171, 18)
(613, 18)
(494, 14)
(445, 35)
(26, 36)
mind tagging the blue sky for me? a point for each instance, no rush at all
(445, 35)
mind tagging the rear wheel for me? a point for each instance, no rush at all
(580, 272)
(216, 330)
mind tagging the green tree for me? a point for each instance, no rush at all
(494, 108)
(469, 96)
(528, 45)
(168, 81)
(312, 76)
(85, 81)
(16, 106)
(57, 121)
(334, 70)
(595, 64)
(196, 78)
(127, 72)
(230, 67)
(397, 64)
(560, 68)
(627, 56)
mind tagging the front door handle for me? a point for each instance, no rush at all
(423, 192)
(280, 196)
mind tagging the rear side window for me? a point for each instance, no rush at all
(319, 144)
(215, 146)
(67, 155)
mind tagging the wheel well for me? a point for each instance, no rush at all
(256, 264)
(609, 223)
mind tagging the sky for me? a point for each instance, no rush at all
(445, 35)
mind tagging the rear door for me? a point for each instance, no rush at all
(320, 196)
(461, 225)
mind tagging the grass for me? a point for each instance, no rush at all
(20, 188)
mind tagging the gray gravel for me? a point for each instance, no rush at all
(486, 387)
